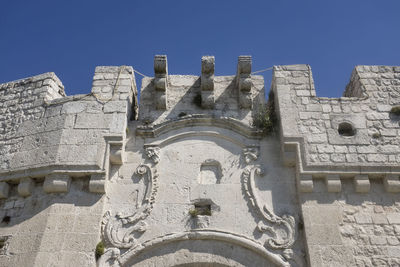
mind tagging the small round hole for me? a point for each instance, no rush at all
(346, 129)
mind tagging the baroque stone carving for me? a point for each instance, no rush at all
(153, 153)
(121, 230)
(109, 257)
(250, 154)
(281, 229)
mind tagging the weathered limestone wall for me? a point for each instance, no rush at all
(199, 184)
(21, 101)
(50, 229)
(371, 94)
(55, 158)
(193, 181)
(347, 180)
(352, 229)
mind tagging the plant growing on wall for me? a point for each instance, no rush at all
(99, 250)
(264, 116)
(200, 210)
(395, 111)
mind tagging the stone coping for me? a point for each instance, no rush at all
(199, 120)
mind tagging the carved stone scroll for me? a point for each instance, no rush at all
(121, 230)
(281, 229)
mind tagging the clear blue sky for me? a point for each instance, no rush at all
(70, 38)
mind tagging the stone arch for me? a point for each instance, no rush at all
(200, 248)
(202, 264)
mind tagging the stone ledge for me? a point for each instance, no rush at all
(97, 183)
(4, 190)
(25, 187)
(362, 184)
(56, 183)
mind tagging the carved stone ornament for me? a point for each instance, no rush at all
(250, 154)
(281, 229)
(122, 230)
(153, 153)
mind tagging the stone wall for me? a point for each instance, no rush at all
(50, 229)
(55, 158)
(345, 151)
(200, 184)
(190, 178)
(21, 101)
(352, 229)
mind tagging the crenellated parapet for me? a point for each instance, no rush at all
(201, 165)
(354, 136)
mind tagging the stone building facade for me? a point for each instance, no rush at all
(201, 171)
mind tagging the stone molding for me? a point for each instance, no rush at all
(56, 183)
(25, 187)
(114, 259)
(332, 174)
(114, 154)
(199, 120)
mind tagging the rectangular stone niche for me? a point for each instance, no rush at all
(202, 209)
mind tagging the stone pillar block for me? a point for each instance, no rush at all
(244, 73)
(392, 183)
(361, 183)
(333, 183)
(305, 183)
(244, 82)
(207, 82)
(4, 190)
(245, 100)
(116, 154)
(97, 183)
(57, 183)
(207, 99)
(160, 66)
(207, 73)
(25, 187)
(160, 81)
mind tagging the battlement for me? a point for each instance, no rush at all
(352, 136)
(188, 166)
